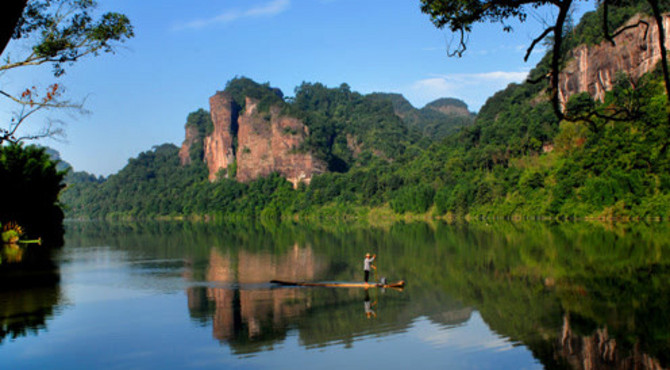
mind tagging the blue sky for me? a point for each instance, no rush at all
(186, 50)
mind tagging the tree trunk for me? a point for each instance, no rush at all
(10, 12)
(661, 41)
(563, 12)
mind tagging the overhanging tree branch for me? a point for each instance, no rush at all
(462, 45)
(658, 17)
(536, 41)
(621, 30)
(556, 57)
(61, 32)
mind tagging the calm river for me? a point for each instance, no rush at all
(483, 296)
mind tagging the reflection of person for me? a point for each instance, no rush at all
(368, 306)
(367, 263)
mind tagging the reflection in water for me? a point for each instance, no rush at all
(242, 316)
(25, 312)
(250, 315)
(29, 290)
(600, 351)
(368, 306)
(11, 253)
(583, 296)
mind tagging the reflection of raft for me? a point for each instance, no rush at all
(334, 284)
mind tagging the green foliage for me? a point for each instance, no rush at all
(30, 183)
(416, 198)
(231, 171)
(436, 120)
(65, 31)
(338, 116)
(241, 88)
(201, 122)
(590, 28)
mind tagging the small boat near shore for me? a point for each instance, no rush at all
(334, 284)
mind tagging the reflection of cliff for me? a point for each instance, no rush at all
(600, 351)
(248, 316)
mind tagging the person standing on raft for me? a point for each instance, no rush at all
(367, 263)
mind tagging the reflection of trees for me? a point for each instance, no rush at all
(29, 292)
(613, 282)
(25, 312)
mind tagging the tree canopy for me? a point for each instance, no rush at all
(58, 33)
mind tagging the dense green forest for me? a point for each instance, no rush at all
(437, 120)
(30, 182)
(515, 160)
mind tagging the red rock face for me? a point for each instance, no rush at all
(185, 150)
(267, 143)
(593, 69)
(219, 145)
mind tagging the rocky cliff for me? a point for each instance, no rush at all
(185, 151)
(219, 151)
(253, 143)
(593, 68)
(270, 142)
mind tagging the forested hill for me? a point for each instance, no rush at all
(516, 160)
(436, 119)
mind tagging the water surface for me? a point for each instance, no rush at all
(179, 295)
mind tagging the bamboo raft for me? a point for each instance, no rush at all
(398, 284)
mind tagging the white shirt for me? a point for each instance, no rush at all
(367, 262)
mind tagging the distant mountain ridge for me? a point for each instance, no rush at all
(436, 119)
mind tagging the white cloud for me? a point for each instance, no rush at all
(473, 88)
(270, 9)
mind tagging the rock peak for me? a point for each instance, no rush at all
(253, 142)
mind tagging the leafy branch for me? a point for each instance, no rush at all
(61, 32)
